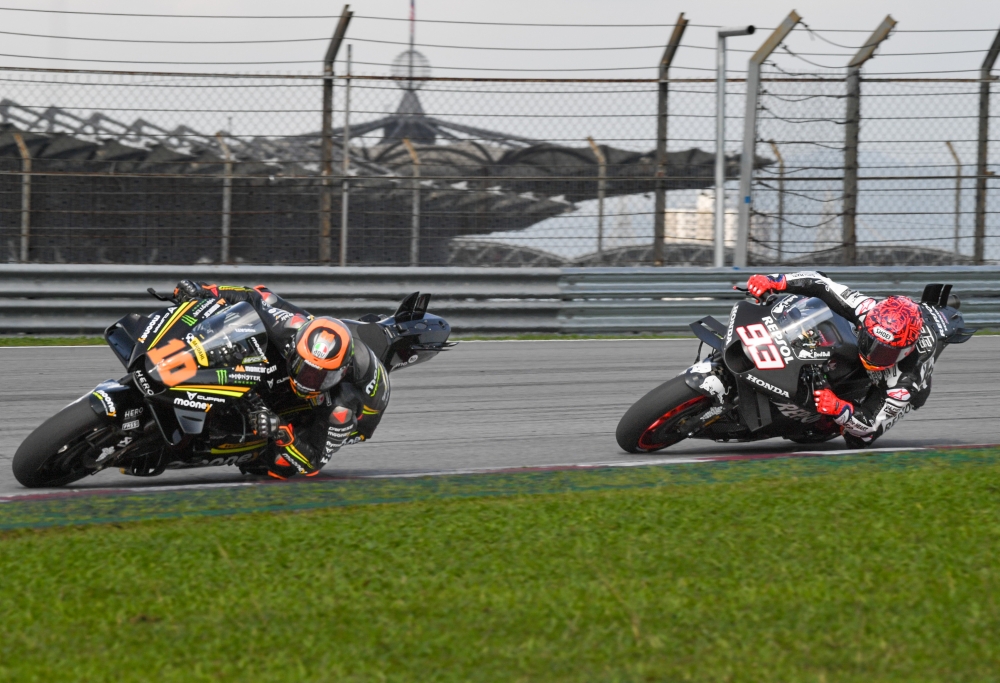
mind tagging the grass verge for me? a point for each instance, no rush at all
(38, 340)
(858, 568)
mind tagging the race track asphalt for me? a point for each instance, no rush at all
(503, 404)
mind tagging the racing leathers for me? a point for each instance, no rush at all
(304, 432)
(894, 391)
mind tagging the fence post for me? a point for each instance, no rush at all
(326, 146)
(750, 133)
(345, 186)
(781, 199)
(660, 189)
(227, 197)
(602, 172)
(982, 147)
(25, 197)
(415, 228)
(958, 192)
(852, 126)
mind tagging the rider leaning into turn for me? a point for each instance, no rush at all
(895, 343)
(335, 392)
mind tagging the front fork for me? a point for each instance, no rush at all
(706, 378)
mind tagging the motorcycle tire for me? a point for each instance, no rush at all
(59, 451)
(656, 420)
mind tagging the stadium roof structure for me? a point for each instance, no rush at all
(508, 182)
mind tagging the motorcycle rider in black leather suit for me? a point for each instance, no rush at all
(333, 391)
(897, 339)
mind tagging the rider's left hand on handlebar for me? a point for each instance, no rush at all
(187, 290)
(759, 285)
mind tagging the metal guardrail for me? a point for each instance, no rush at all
(85, 299)
(668, 299)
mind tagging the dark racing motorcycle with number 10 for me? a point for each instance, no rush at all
(195, 371)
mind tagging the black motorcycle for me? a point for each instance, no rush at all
(763, 366)
(195, 371)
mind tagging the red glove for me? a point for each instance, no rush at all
(759, 285)
(827, 403)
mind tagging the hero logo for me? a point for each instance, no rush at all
(143, 383)
(900, 394)
(760, 345)
(134, 412)
(770, 387)
(191, 404)
(882, 333)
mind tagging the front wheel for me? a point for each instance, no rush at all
(63, 449)
(661, 418)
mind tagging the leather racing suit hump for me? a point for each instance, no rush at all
(895, 390)
(306, 430)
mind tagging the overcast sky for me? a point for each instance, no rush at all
(863, 15)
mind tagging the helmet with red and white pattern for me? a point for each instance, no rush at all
(889, 332)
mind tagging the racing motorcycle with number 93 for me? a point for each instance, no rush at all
(763, 367)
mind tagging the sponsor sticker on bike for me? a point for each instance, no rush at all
(760, 344)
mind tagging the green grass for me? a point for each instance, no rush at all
(38, 340)
(869, 568)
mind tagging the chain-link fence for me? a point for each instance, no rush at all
(182, 168)
(915, 183)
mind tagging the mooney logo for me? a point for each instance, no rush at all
(191, 404)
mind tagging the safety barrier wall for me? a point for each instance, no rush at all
(667, 299)
(82, 299)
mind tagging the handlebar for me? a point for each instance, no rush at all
(161, 297)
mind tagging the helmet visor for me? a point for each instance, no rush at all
(309, 378)
(877, 353)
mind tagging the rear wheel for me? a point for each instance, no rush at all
(661, 418)
(63, 449)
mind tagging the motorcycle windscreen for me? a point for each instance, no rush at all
(228, 334)
(801, 320)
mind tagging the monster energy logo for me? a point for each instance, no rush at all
(221, 376)
(190, 320)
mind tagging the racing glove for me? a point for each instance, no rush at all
(189, 290)
(265, 423)
(759, 285)
(827, 403)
